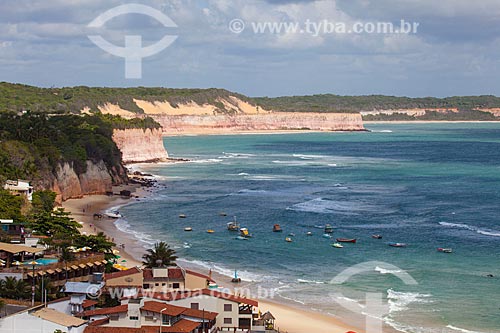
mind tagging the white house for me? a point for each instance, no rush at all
(20, 187)
(41, 320)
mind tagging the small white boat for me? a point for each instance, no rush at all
(113, 215)
(337, 245)
(289, 239)
(188, 229)
(245, 233)
(309, 233)
(327, 236)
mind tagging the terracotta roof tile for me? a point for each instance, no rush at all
(104, 311)
(156, 307)
(177, 295)
(89, 303)
(119, 274)
(200, 314)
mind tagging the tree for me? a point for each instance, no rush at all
(98, 243)
(13, 288)
(160, 255)
(55, 223)
(44, 201)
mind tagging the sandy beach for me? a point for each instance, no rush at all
(289, 319)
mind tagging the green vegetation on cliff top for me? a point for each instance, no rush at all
(19, 97)
(336, 103)
(32, 146)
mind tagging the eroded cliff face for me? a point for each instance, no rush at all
(138, 145)
(260, 122)
(97, 179)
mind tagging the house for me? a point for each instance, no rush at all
(140, 315)
(20, 187)
(42, 320)
(174, 278)
(78, 292)
(158, 279)
(235, 312)
(13, 229)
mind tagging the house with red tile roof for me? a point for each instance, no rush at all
(140, 315)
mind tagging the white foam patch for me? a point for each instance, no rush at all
(485, 232)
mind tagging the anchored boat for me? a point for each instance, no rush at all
(337, 245)
(277, 228)
(398, 244)
(233, 226)
(328, 229)
(346, 240)
(245, 233)
(445, 250)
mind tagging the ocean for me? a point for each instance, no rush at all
(427, 185)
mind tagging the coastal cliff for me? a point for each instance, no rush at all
(97, 179)
(139, 145)
(177, 124)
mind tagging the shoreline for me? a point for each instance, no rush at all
(289, 318)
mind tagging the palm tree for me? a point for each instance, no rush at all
(14, 289)
(160, 255)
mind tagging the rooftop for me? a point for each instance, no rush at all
(58, 317)
(105, 311)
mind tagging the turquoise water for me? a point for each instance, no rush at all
(41, 261)
(430, 186)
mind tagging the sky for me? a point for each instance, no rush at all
(454, 51)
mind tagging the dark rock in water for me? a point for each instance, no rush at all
(490, 275)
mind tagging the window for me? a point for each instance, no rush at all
(195, 306)
(163, 284)
(134, 318)
(157, 284)
(145, 286)
(228, 307)
(228, 320)
(176, 285)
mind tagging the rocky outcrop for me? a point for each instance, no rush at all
(140, 145)
(97, 179)
(260, 122)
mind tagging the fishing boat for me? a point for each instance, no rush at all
(377, 236)
(292, 234)
(233, 226)
(222, 214)
(182, 216)
(236, 279)
(398, 244)
(210, 231)
(445, 250)
(245, 233)
(327, 236)
(277, 228)
(328, 229)
(346, 240)
(113, 215)
(188, 229)
(289, 239)
(309, 233)
(337, 245)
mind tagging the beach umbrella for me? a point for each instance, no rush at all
(86, 248)
(118, 257)
(17, 263)
(71, 248)
(124, 260)
(116, 251)
(33, 263)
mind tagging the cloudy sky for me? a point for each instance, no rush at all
(454, 52)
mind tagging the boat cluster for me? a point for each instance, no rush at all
(244, 234)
